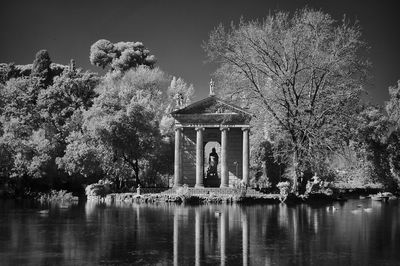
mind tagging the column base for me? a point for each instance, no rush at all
(223, 186)
(199, 186)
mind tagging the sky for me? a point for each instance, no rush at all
(174, 31)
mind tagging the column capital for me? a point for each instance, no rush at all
(245, 128)
(199, 128)
(178, 128)
(224, 128)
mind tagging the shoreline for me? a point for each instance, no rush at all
(206, 196)
(221, 198)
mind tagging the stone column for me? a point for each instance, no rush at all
(224, 157)
(245, 158)
(199, 157)
(178, 157)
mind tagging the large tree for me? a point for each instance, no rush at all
(121, 128)
(61, 104)
(120, 56)
(393, 110)
(393, 105)
(376, 142)
(40, 105)
(303, 70)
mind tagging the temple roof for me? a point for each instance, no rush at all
(212, 110)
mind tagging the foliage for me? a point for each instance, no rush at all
(179, 89)
(284, 189)
(303, 70)
(121, 130)
(372, 145)
(120, 56)
(81, 155)
(21, 130)
(179, 95)
(41, 104)
(393, 140)
(393, 105)
(60, 195)
(267, 166)
(183, 191)
(10, 71)
(59, 123)
(102, 188)
(129, 134)
(393, 149)
(61, 104)
(6, 162)
(7, 71)
(318, 186)
(41, 64)
(372, 158)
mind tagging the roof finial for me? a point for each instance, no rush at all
(72, 65)
(212, 87)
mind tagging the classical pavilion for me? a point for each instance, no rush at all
(211, 123)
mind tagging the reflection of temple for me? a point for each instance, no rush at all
(203, 240)
(152, 234)
(211, 120)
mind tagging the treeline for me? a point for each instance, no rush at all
(62, 127)
(303, 75)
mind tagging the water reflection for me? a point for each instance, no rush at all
(359, 232)
(199, 236)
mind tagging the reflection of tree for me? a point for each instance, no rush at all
(300, 234)
(262, 234)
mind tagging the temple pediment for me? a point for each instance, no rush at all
(212, 110)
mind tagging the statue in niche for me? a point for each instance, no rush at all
(212, 164)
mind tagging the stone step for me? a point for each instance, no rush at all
(215, 190)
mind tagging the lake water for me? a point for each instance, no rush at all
(166, 234)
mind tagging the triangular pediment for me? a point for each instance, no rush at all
(212, 110)
(211, 105)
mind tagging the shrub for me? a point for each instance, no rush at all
(284, 188)
(102, 188)
(57, 195)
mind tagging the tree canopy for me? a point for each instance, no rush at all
(304, 69)
(122, 127)
(120, 56)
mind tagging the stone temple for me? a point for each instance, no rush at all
(211, 143)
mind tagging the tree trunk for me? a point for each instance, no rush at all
(136, 170)
(119, 185)
(295, 176)
(265, 170)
